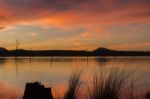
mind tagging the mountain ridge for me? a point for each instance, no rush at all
(101, 51)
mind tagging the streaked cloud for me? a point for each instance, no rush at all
(73, 12)
(89, 23)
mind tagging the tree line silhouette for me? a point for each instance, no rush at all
(98, 52)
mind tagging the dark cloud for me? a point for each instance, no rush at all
(61, 5)
(27, 10)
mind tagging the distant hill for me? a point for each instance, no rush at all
(102, 50)
(97, 52)
(3, 51)
(108, 52)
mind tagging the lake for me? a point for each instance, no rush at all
(54, 71)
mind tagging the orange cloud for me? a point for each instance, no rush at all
(96, 17)
(74, 13)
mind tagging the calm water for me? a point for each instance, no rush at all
(14, 73)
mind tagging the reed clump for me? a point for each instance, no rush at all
(108, 86)
(73, 86)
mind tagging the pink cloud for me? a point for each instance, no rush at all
(75, 12)
(95, 16)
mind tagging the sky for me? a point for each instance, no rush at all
(75, 24)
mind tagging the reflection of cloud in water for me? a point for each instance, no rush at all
(8, 91)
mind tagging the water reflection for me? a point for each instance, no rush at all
(9, 91)
(2, 60)
(54, 71)
(102, 61)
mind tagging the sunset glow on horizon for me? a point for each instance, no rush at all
(75, 24)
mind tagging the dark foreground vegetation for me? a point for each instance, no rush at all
(98, 52)
(113, 85)
(37, 91)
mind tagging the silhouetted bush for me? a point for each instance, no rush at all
(73, 86)
(108, 86)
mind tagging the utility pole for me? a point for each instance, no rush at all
(87, 57)
(17, 44)
(16, 54)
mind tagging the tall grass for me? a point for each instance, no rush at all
(108, 86)
(73, 86)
